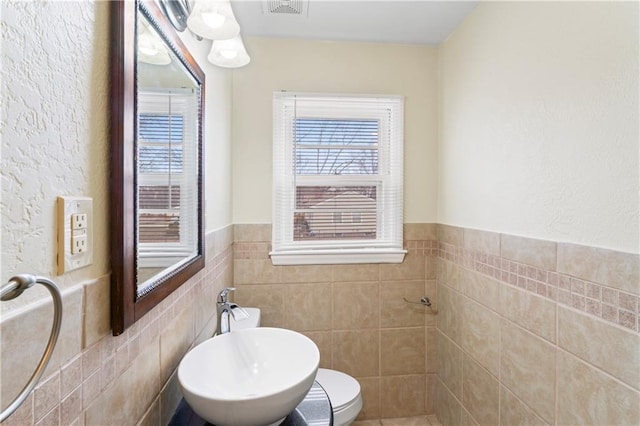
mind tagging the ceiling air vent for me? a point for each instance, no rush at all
(285, 7)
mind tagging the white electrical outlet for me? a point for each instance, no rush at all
(75, 233)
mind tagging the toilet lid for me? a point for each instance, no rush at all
(341, 388)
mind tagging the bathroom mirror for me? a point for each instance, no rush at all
(157, 184)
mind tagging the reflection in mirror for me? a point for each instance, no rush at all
(167, 160)
(157, 184)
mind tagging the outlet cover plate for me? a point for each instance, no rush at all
(68, 209)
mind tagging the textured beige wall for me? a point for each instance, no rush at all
(535, 332)
(539, 122)
(55, 137)
(332, 67)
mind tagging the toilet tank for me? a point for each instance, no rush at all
(252, 321)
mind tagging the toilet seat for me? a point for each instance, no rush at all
(344, 394)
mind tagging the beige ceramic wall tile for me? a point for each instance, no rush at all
(449, 364)
(70, 376)
(612, 268)
(615, 350)
(514, 412)
(407, 421)
(433, 419)
(466, 419)
(175, 341)
(207, 331)
(448, 409)
(23, 415)
(355, 305)
(450, 313)
(97, 311)
(539, 253)
(431, 313)
(527, 368)
(306, 273)
(356, 352)
(350, 273)
(394, 311)
(482, 289)
(70, 337)
(26, 332)
(482, 241)
(431, 267)
(170, 397)
(370, 390)
(47, 396)
(402, 351)
(127, 399)
(71, 407)
(269, 298)
(322, 339)
(307, 307)
(206, 295)
(411, 269)
(588, 397)
(152, 416)
(450, 274)
(480, 393)
(402, 396)
(91, 360)
(51, 419)
(530, 311)
(450, 234)
(430, 394)
(481, 334)
(252, 232)
(255, 271)
(431, 354)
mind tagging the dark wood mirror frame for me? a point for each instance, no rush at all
(126, 304)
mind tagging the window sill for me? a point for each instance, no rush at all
(337, 256)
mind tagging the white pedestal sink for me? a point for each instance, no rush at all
(249, 377)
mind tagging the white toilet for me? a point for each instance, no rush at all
(344, 394)
(343, 390)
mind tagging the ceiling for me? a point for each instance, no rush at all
(381, 21)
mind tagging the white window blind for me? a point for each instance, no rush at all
(337, 179)
(167, 165)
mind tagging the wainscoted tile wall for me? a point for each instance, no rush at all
(535, 332)
(528, 332)
(356, 315)
(95, 378)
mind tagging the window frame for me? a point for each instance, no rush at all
(387, 246)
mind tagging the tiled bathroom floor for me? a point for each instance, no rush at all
(430, 420)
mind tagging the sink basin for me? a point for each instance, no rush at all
(249, 377)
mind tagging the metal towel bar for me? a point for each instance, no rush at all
(13, 289)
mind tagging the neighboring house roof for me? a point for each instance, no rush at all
(345, 200)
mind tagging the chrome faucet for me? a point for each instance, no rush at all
(224, 308)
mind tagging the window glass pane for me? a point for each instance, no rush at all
(161, 128)
(160, 160)
(159, 227)
(160, 143)
(159, 197)
(337, 213)
(336, 147)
